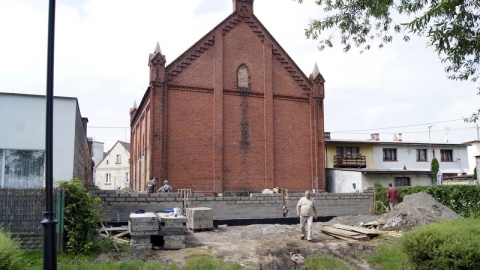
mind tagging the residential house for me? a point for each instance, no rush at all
(113, 171)
(233, 112)
(365, 162)
(22, 140)
(473, 148)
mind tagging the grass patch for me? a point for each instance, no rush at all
(34, 261)
(388, 257)
(320, 261)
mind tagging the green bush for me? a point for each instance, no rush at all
(81, 218)
(434, 166)
(10, 253)
(452, 244)
(380, 196)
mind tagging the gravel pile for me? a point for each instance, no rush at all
(416, 210)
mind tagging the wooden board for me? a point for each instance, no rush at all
(356, 229)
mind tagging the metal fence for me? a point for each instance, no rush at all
(21, 210)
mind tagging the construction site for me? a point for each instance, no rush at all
(272, 243)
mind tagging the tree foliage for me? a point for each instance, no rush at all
(452, 27)
(81, 218)
(435, 166)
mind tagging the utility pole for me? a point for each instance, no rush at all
(478, 133)
(429, 141)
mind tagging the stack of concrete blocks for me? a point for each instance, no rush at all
(199, 218)
(141, 227)
(172, 229)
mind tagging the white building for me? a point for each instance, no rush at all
(400, 163)
(22, 141)
(473, 151)
(113, 172)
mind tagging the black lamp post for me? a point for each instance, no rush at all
(49, 221)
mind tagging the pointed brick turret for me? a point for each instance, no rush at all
(133, 110)
(318, 82)
(157, 65)
(243, 7)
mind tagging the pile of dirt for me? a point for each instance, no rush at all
(416, 210)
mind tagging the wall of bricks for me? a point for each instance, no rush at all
(31, 241)
(256, 206)
(217, 127)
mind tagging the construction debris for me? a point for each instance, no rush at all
(349, 232)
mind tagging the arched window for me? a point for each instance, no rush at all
(243, 80)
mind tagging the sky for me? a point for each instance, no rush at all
(102, 49)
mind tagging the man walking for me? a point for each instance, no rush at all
(152, 185)
(307, 211)
(392, 196)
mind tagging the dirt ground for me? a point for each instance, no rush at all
(274, 246)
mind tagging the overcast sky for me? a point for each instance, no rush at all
(102, 49)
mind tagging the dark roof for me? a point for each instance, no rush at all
(346, 141)
(382, 171)
(126, 145)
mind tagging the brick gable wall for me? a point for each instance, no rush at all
(208, 134)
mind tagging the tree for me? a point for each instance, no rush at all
(452, 27)
(435, 166)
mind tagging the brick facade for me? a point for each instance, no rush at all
(233, 112)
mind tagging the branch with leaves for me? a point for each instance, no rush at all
(452, 27)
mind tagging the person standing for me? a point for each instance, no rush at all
(307, 211)
(392, 196)
(166, 187)
(152, 185)
(355, 189)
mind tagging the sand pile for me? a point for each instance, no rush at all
(416, 210)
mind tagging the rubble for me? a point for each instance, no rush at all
(416, 210)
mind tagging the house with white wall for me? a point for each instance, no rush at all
(473, 149)
(365, 162)
(22, 140)
(113, 171)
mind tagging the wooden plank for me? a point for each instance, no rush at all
(356, 229)
(120, 234)
(339, 231)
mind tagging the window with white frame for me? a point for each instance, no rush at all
(22, 168)
(446, 154)
(422, 155)
(108, 178)
(119, 159)
(389, 154)
(127, 177)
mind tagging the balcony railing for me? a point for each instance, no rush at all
(344, 161)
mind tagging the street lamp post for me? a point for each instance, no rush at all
(49, 221)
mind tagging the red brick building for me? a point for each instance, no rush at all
(232, 113)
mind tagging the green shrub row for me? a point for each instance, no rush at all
(452, 244)
(462, 199)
